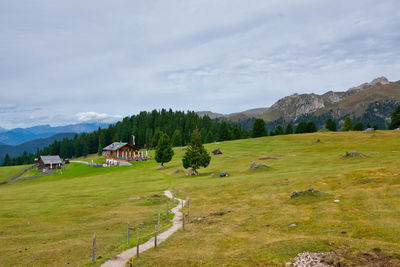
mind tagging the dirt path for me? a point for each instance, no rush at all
(121, 259)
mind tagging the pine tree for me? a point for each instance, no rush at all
(348, 124)
(259, 128)
(301, 127)
(196, 155)
(210, 137)
(156, 137)
(331, 125)
(177, 138)
(164, 150)
(279, 130)
(7, 160)
(395, 119)
(311, 127)
(223, 132)
(359, 126)
(289, 129)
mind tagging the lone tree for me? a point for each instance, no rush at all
(331, 125)
(348, 124)
(395, 119)
(196, 155)
(164, 150)
(259, 128)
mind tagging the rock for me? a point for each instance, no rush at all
(161, 167)
(192, 172)
(134, 198)
(294, 194)
(212, 175)
(369, 130)
(353, 154)
(177, 171)
(336, 200)
(293, 225)
(257, 165)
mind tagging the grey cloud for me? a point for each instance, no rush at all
(118, 58)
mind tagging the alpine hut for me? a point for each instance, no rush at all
(49, 162)
(120, 151)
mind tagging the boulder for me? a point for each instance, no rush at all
(161, 167)
(353, 154)
(369, 130)
(257, 165)
(177, 171)
(192, 172)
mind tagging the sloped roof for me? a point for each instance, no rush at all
(116, 145)
(51, 159)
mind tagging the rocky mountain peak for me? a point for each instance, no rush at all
(380, 80)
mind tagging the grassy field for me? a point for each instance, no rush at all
(245, 219)
(9, 172)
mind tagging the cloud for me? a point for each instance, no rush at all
(7, 108)
(92, 116)
(224, 56)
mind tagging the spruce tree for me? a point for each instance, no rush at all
(279, 130)
(301, 127)
(210, 137)
(223, 132)
(348, 124)
(395, 119)
(7, 161)
(164, 150)
(176, 138)
(196, 155)
(359, 126)
(289, 129)
(259, 128)
(311, 127)
(331, 125)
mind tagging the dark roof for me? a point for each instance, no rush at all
(116, 145)
(51, 159)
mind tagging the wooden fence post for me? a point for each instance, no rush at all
(155, 237)
(167, 210)
(137, 243)
(127, 233)
(188, 201)
(183, 221)
(94, 249)
(158, 222)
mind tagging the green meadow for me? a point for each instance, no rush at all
(245, 219)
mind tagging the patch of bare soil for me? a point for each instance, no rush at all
(267, 158)
(345, 257)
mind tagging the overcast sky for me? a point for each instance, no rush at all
(74, 61)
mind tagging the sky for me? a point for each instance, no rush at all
(73, 61)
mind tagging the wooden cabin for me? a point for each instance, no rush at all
(49, 162)
(120, 151)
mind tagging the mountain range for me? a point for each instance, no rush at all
(31, 146)
(19, 136)
(371, 102)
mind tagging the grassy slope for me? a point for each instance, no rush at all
(9, 172)
(51, 220)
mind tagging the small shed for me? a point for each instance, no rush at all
(49, 162)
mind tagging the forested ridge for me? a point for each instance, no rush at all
(146, 126)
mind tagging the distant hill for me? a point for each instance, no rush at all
(31, 146)
(21, 135)
(369, 102)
